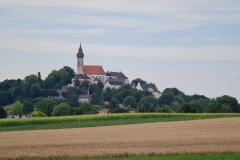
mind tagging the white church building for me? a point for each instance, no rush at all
(95, 73)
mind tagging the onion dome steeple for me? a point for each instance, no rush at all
(80, 52)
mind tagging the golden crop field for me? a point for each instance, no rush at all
(195, 136)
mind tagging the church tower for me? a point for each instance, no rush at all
(80, 57)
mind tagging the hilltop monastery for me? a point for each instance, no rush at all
(95, 73)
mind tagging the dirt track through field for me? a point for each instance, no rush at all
(197, 136)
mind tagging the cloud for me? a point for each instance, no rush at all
(217, 52)
(147, 16)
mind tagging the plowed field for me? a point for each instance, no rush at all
(196, 136)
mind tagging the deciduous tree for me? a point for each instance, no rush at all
(18, 109)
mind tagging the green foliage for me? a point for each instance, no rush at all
(224, 104)
(76, 83)
(163, 109)
(56, 79)
(72, 98)
(32, 87)
(34, 91)
(148, 104)
(130, 101)
(97, 98)
(3, 113)
(85, 84)
(190, 108)
(27, 107)
(138, 80)
(166, 99)
(49, 93)
(120, 110)
(18, 108)
(38, 114)
(100, 85)
(86, 108)
(173, 91)
(45, 105)
(107, 94)
(63, 109)
(5, 98)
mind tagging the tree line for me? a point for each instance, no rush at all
(36, 96)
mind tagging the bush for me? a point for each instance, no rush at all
(3, 113)
(38, 114)
(63, 109)
(119, 110)
(46, 106)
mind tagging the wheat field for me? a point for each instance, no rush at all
(181, 137)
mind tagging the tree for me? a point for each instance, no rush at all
(137, 95)
(18, 109)
(86, 108)
(45, 105)
(3, 113)
(34, 91)
(27, 107)
(119, 110)
(224, 104)
(38, 114)
(166, 99)
(26, 85)
(16, 91)
(76, 83)
(191, 107)
(5, 98)
(138, 80)
(173, 91)
(72, 99)
(130, 101)
(107, 95)
(94, 88)
(57, 78)
(100, 85)
(39, 77)
(149, 104)
(97, 98)
(114, 102)
(30, 80)
(63, 109)
(85, 84)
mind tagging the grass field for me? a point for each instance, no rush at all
(100, 120)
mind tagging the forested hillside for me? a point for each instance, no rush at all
(39, 97)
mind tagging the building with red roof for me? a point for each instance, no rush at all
(90, 71)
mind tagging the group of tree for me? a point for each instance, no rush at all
(32, 94)
(33, 86)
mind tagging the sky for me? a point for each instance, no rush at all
(191, 45)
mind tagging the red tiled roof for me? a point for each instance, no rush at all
(93, 70)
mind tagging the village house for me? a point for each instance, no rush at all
(150, 87)
(84, 98)
(115, 80)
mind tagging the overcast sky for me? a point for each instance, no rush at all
(191, 45)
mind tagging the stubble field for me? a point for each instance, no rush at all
(181, 137)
